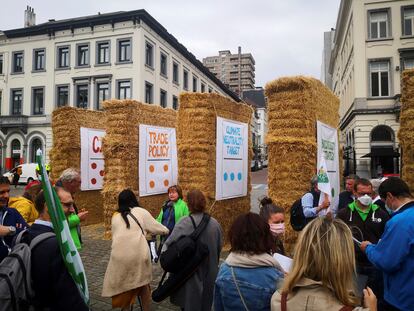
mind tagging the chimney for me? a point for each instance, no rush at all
(29, 17)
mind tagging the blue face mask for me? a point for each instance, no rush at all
(390, 211)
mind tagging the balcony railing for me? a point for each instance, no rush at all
(13, 122)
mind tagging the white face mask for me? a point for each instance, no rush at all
(277, 228)
(365, 200)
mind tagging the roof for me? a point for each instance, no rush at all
(254, 97)
(49, 28)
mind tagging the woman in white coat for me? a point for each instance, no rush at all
(129, 270)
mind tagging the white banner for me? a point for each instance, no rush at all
(157, 169)
(328, 160)
(92, 159)
(231, 159)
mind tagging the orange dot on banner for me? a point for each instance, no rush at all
(166, 182)
(151, 168)
(152, 184)
(101, 172)
(165, 167)
(93, 181)
(93, 165)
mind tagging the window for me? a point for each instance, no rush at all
(16, 101)
(382, 133)
(17, 62)
(1, 64)
(35, 145)
(148, 93)
(82, 55)
(175, 102)
(203, 87)
(163, 99)
(185, 79)
(195, 84)
(378, 25)
(102, 53)
(175, 72)
(124, 89)
(149, 54)
(38, 100)
(62, 95)
(408, 63)
(63, 57)
(102, 90)
(39, 59)
(210, 90)
(163, 64)
(82, 91)
(408, 21)
(124, 51)
(379, 74)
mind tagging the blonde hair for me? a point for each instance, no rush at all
(325, 253)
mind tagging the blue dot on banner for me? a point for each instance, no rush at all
(226, 176)
(239, 176)
(232, 176)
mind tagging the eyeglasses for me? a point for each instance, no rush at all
(68, 205)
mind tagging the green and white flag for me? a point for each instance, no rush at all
(67, 247)
(324, 184)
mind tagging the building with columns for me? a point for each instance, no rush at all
(81, 62)
(373, 44)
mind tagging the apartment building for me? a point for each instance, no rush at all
(256, 98)
(237, 71)
(81, 62)
(373, 44)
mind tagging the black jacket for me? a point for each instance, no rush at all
(9, 217)
(54, 287)
(369, 230)
(345, 198)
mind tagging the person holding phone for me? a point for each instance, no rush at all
(394, 253)
(367, 222)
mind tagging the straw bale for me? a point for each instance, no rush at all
(196, 140)
(66, 149)
(121, 145)
(406, 131)
(294, 106)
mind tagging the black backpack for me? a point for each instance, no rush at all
(180, 252)
(297, 218)
(298, 221)
(196, 253)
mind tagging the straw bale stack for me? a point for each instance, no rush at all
(294, 106)
(121, 153)
(406, 132)
(196, 140)
(66, 150)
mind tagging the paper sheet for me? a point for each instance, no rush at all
(284, 261)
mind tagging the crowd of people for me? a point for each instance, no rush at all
(354, 254)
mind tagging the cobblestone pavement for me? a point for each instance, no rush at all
(95, 256)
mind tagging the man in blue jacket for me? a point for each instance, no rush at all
(11, 222)
(394, 253)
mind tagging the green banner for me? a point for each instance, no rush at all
(67, 247)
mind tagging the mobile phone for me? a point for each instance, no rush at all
(356, 241)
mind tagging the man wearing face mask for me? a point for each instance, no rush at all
(394, 253)
(367, 222)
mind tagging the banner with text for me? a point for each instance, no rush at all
(92, 159)
(157, 167)
(231, 159)
(328, 160)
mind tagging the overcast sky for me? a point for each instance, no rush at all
(284, 36)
